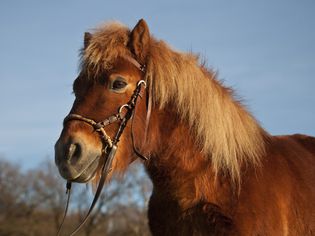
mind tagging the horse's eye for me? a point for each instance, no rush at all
(119, 84)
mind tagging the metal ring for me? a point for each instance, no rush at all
(142, 82)
(126, 106)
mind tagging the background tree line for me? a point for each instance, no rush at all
(32, 203)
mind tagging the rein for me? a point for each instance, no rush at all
(110, 145)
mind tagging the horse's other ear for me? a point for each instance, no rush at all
(87, 39)
(139, 41)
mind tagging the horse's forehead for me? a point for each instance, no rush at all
(91, 74)
(124, 67)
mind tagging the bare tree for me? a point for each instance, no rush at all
(34, 200)
(15, 202)
(50, 190)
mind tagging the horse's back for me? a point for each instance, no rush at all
(298, 152)
(308, 142)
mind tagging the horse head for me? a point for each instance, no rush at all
(108, 92)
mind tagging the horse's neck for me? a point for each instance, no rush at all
(178, 168)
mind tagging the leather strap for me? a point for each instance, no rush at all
(134, 62)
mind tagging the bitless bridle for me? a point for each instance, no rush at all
(125, 113)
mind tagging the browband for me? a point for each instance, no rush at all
(134, 62)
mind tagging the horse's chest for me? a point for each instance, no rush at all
(166, 218)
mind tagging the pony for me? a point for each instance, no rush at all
(214, 169)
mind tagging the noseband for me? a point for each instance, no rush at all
(124, 114)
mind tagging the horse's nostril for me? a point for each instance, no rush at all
(71, 151)
(74, 151)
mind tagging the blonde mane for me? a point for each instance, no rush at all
(227, 133)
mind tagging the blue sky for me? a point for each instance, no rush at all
(265, 50)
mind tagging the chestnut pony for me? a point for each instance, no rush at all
(215, 170)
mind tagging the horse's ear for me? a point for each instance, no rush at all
(139, 41)
(87, 39)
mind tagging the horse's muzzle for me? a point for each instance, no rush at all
(76, 160)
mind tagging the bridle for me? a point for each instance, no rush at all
(124, 114)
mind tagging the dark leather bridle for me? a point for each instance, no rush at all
(124, 114)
